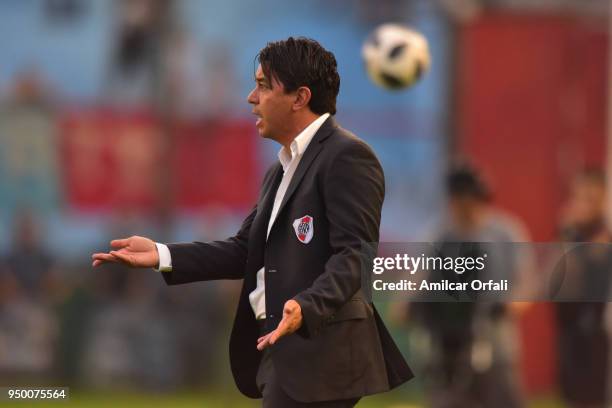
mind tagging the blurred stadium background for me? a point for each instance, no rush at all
(129, 117)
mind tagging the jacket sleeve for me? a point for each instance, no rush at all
(200, 261)
(353, 193)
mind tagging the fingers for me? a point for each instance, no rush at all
(102, 258)
(280, 331)
(262, 338)
(290, 322)
(264, 341)
(271, 338)
(98, 262)
(113, 256)
(287, 325)
(119, 243)
(123, 257)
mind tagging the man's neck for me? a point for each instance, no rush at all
(299, 125)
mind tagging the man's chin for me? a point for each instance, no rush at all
(262, 132)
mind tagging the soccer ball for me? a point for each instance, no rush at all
(395, 56)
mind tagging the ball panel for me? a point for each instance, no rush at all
(392, 82)
(397, 51)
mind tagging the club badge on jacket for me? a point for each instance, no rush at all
(304, 228)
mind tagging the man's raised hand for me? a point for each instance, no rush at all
(135, 251)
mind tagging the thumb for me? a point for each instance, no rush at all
(120, 243)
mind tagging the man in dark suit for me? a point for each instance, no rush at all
(305, 334)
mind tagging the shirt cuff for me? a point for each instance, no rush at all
(165, 260)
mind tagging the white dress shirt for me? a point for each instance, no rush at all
(289, 160)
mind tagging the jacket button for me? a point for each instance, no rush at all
(271, 316)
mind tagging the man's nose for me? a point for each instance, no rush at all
(251, 97)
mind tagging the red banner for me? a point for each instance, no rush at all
(131, 162)
(215, 164)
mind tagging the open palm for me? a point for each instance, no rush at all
(137, 252)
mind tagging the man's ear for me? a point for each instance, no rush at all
(302, 98)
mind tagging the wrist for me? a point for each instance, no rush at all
(156, 257)
(164, 259)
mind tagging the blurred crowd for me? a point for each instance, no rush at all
(59, 323)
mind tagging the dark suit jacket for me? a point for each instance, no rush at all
(343, 350)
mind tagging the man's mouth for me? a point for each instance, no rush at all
(259, 119)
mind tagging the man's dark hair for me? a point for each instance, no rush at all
(465, 181)
(297, 62)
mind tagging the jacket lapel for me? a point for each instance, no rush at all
(264, 206)
(314, 148)
(257, 240)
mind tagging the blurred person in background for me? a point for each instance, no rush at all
(29, 262)
(28, 333)
(473, 345)
(156, 62)
(198, 84)
(136, 65)
(30, 89)
(304, 334)
(28, 146)
(132, 342)
(583, 343)
(196, 318)
(30, 287)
